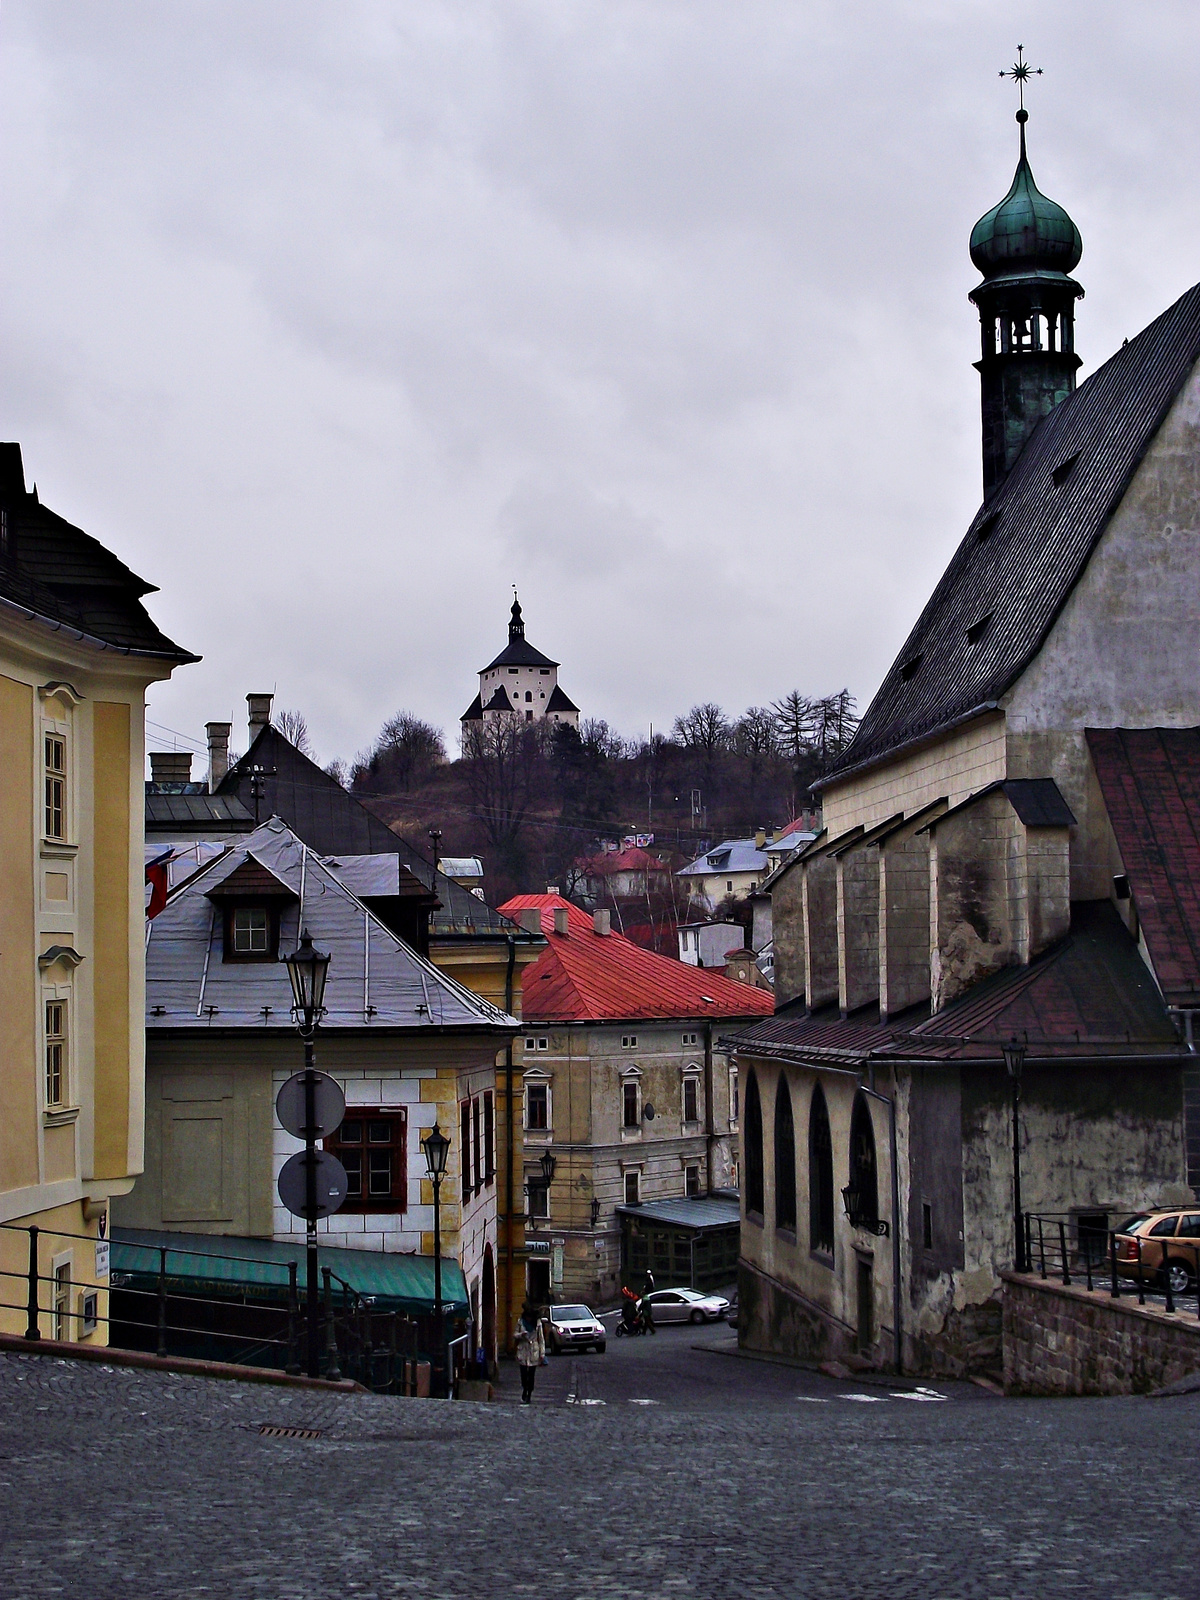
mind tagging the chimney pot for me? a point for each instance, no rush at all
(530, 918)
(560, 920)
(218, 751)
(260, 712)
(170, 766)
(760, 838)
(602, 923)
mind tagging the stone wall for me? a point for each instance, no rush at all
(1060, 1339)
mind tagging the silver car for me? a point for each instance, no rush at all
(687, 1305)
(575, 1328)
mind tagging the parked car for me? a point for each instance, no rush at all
(687, 1305)
(575, 1328)
(1170, 1236)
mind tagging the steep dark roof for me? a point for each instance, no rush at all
(1029, 543)
(332, 821)
(1090, 996)
(474, 712)
(558, 701)
(53, 570)
(1150, 779)
(519, 653)
(499, 701)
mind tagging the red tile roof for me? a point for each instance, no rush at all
(1150, 779)
(631, 859)
(584, 976)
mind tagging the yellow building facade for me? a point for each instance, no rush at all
(77, 652)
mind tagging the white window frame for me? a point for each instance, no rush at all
(691, 1041)
(692, 1166)
(60, 1294)
(57, 728)
(690, 1074)
(735, 1099)
(636, 1174)
(532, 1044)
(631, 1075)
(629, 1041)
(52, 997)
(542, 1080)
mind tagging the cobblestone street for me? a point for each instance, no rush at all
(657, 1469)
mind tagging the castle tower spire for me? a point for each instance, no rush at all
(1025, 247)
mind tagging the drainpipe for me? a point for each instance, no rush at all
(710, 1125)
(509, 1130)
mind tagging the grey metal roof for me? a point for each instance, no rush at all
(375, 979)
(217, 811)
(743, 856)
(1028, 545)
(701, 1212)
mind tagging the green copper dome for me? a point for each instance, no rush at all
(1026, 232)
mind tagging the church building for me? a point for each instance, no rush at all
(987, 965)
(520, 682)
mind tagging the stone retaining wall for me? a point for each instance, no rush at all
(1060, 1339)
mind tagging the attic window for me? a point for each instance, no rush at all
(988, 527)
(1063, 471)
(977, 629)
(911, 667)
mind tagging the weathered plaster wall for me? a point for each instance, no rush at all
(971, 932)
(820, 930)
(954, 767)
(1125, 651)
(787, 931)
(903, 922)
(858, 927)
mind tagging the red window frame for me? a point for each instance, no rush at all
(354, 1146)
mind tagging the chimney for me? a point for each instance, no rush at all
(530, 918)
(561, 916)
(170, 766)
(218, 752)
(260, 713)
(760, 838)
(602, 923)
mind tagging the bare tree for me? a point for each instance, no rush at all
(338, 771)
(755, 736)
(705, 729)
(405, 754)
(293, 725)
(506, 772)
(793, 717)
(833, 722)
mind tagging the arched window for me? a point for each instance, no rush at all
(752, 1154)
(863, 1178)
(820, 1175)
(785, 1158)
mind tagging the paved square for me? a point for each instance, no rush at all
(657, 1469)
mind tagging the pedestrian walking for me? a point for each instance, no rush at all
(531, 1348)
(644, 1305)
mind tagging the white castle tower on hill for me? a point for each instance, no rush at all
(521, 681)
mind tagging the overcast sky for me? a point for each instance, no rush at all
(336, 320)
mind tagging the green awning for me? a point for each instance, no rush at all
(258, 1269)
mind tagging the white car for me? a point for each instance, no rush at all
(687, 1305)
(575, 1328)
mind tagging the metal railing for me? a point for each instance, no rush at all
(379, 1349)
(1057, 1246)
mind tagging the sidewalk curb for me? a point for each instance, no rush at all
(109, 1355)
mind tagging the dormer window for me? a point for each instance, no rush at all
(251, 928)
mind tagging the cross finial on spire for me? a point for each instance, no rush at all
(1020, 73)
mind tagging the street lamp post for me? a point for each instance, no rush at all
(308, 969)
(437, 1147)
(1014, 1061)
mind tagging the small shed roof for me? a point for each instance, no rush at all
(701, 1213)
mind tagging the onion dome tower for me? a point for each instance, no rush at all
(1026, 247)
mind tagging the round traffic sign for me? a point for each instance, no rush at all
(329, 1105)
(332, 1184)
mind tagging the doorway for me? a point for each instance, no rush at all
(537, 1279)
(866, 1304)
